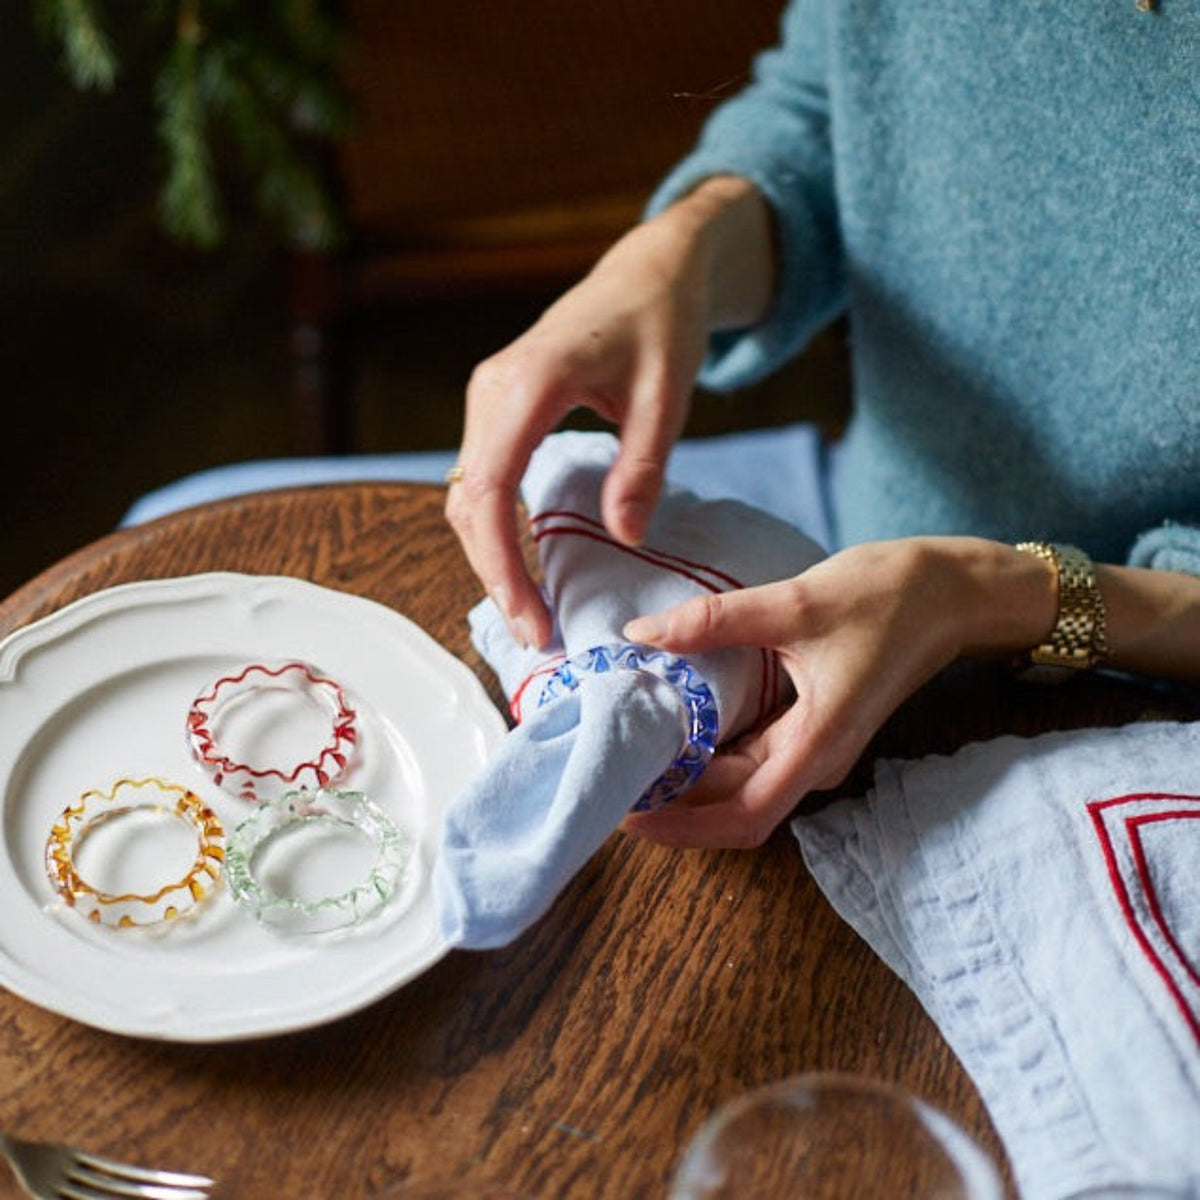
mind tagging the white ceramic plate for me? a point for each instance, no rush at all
(100, 690)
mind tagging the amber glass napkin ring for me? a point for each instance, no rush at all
(695, 696)
(257, 747)
(95, 810)
(341, 837)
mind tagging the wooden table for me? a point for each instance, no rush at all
(578, 1061)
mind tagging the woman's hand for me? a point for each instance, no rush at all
(857, 633)
(626, 342)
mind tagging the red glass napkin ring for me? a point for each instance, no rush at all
(249, 772)
(96, 809)
(700, 708)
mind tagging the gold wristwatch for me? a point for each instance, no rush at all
(1078, 640)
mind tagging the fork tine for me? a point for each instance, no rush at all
(113, 1179)
(82, 1184)
(106, 1187)
(109, 1166)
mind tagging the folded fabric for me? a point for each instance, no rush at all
(1042, 899)
(1169, 547)
(594, 737)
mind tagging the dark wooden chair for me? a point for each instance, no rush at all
(500, 147)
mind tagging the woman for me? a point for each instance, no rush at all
(1004, 199)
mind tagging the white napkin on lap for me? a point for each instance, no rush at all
(1042, 898)
(568, 773)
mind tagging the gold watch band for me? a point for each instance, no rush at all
(1079, 638)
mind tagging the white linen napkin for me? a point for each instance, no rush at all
(1042, 899)
(566, 775)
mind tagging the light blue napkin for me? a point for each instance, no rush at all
(564, 778)
(1042, 899)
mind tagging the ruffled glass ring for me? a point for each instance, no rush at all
(266, 729)
(103, 827)
(314, 862)
(695, 697)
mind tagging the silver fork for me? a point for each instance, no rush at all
(49, 1171)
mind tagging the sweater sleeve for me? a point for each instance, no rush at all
(1169, 547)
(775, 133)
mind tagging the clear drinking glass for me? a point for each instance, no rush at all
(833, 1136)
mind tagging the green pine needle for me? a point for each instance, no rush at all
(189, 197)
(87, 51)
(265, 74)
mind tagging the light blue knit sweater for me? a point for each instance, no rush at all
(1005, 196)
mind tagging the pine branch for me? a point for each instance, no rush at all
(87, 51)
(265, 73)
(242, 84)
(189, 197)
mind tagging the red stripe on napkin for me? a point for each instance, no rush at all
(1174, 807)
(696, 572)
(547, 668)
(664, 555)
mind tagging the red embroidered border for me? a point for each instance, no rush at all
(1132, 826)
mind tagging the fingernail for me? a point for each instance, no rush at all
(501, 597)
(644, 629)
(634, 515)
(522, 631)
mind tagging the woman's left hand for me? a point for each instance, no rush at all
(857, 633)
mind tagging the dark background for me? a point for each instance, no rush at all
(127, 360)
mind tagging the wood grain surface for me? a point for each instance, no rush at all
(574, 1063)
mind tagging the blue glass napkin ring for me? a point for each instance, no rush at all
(359, 858)
(700, 706)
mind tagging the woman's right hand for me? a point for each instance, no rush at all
(626, 342)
